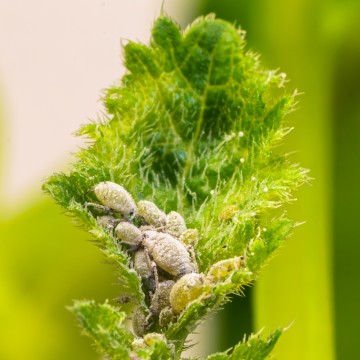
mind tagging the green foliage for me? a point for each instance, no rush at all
(252, 348)
(104, 324)
(193, 126)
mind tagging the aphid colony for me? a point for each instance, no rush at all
(163, 255)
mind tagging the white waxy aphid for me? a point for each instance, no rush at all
(190, 237)
(168, 253)
(128, 233)
(175, 224)
(107, 222)
(151, 213)
(187, 289)
(224, 268)
(143, 267)
(115, 197)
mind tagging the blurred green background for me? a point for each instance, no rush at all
(45, 261)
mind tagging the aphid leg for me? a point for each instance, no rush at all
(153, 266)
(191, 251)
(123, 299)
(133, 248)
(156, 276)
(102, 208)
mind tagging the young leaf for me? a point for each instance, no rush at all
(252, 348)
(104, 324)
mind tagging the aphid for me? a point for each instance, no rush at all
(144, 269)
(187, 289)
(151, 214)
(152, 338)
(115, 197)
(107, 222)
(161, 297)
(224, 268)
(149, 340)
(229, 212)
(136, 345)
(175, 224)
(190, 237)
(166, 316)
(168, 253)
(128, 233)
(139, 321)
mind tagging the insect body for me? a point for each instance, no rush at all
(168, 253)
(143, 266)
(189, 237)
(161, 297)
(107, 222)
(138, 322)
(187, 289)
(151, 213)
(160, 303)
(175, 224)
(115, 197)
(222, 269)
(128, 233)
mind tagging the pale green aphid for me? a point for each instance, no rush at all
(115, 197)
(187, 289)
(151, 338)
(175, 224)
(190, 237)
(222, 269)
(151, 213)
(128, 233)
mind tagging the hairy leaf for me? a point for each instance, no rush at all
(104, 324)
(252, 348)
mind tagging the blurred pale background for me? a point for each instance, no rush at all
(56, 57)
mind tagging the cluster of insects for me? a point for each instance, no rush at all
(162, 253)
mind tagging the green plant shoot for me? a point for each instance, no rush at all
(193, 127)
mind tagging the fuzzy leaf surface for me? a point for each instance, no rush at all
(104, 325)
(250, 349)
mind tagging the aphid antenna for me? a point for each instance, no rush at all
(123, 299)
(134, 248)
(102, 208)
